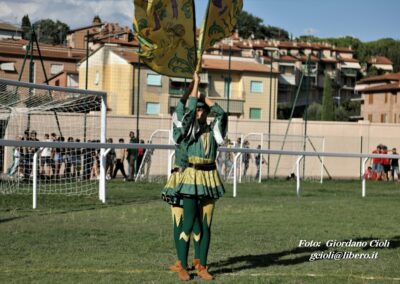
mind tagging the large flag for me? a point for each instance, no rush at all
(219, 22)
(166, 30)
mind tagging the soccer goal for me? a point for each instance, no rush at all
(35, 112)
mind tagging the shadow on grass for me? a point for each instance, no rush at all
(5, 220)
(295, 256)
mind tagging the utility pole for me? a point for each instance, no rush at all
(270, 110)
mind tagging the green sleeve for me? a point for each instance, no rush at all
(220, 123)
(183, 121)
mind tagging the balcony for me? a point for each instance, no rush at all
(349, 72)
(313, 71)
(181, 90)
(236, 106)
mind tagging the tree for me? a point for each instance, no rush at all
(26, 27)
(341, 114)
(327, 100)
(314, 111)
(249, 25)
(51, 32)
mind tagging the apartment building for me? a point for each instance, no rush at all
(380, 98)
(291, 57)
(9, 31)
(381, 63)
(57, 61)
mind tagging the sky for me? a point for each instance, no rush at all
(367, 20)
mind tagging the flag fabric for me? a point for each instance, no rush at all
(166, 30)
(218, 23)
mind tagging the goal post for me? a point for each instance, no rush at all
(38, 112)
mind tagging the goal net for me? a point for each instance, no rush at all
(34, 112)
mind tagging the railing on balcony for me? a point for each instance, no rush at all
(349, 72)
(236, 106)
(313, 70)
(181, 91)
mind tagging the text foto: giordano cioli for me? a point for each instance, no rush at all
(345, 244)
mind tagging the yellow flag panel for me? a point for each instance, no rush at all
(166, 30)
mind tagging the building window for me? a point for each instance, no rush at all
(370, 99)
(256, 86)
(255, 113)
(227, 88)
(154, 80)
(8, 66)
(97, 78)
(153, 108)
(370, 117)
(383, 117)
(56, 68)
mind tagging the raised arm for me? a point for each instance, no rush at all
(220, 122)
(183, 118)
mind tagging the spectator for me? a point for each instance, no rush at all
(68, 158)
(31, 152)
(140, 157)
(258, 160)
(58, 159)
(246, 157)
(119, 163)
(53, 137)
(15, 166)
(110, 159)
(385, 164)
(377, 162)
(77, 160)
(394, 163)
(24, 160)
(228, 159)
(95, 162)
(45, 159)
(369, 174)
(132, 156)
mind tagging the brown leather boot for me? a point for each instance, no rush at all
(196, 263)
(176, 266)
(182, 272)
(202, 272)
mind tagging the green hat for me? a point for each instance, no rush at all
(202, 105)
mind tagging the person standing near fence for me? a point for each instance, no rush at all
(119, 161)
(132, 156)
(181, 124)
(394, 164)
(201, 185)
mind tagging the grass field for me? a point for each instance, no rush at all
(255, 236)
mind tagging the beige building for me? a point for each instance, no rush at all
(380, 98)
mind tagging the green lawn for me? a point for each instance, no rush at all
(255, 236)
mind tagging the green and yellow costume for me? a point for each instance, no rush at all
(201, 184)
(181, 125)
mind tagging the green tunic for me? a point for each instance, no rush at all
(182, 123)
(202, 149)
